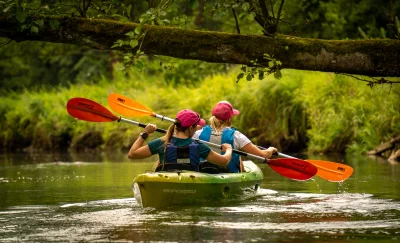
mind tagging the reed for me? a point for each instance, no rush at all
(318, 112)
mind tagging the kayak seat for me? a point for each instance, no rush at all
(174, 167)
(210, 168)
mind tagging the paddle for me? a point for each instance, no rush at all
(128, 107)
(131, 107)
(328, 170)
(331, 171)
(88, 110)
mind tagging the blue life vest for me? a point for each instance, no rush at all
(188, 154)
(227, 137)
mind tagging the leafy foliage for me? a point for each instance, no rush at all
(36, 65)
(327, 112)
(303, 110)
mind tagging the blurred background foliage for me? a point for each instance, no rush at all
(317, 112)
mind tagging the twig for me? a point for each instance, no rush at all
(236, 20)
(5, 43)
(372, 83)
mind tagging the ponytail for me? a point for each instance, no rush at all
(168, 135)
(217, 124)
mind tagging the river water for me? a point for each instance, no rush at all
(63, 197)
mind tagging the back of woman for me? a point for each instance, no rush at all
(177, 146)
(220, 131)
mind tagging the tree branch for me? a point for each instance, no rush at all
(373, 57)
(264, 10)
(236, 21)
(279, 11)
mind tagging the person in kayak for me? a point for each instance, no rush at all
(221, 131)
(177, 146)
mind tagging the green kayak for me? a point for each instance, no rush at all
(185, 187)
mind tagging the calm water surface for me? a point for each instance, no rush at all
(49, 197)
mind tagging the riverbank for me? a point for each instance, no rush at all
(303, 111)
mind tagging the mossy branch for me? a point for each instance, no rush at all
(370, 57)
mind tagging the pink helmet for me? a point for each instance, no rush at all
(223, 110)
(189, 118)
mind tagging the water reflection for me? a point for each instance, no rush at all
(270, 217)
(79, 199)
(23, 158)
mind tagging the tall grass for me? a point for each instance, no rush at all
(304, 110)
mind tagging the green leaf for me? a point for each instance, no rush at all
(39, 22)
(270, 64)
(130, 34)
(151, 11)
(251, 16)
(20, 15)
(249, 77)
(239, 77)
(278, 74)
(243, 68)
(34, 29)
(54, 24)
(286, 48)
(138, 30)
(5, 10)
(118, 43)
(245, 6)
(261, 75)
(139, 65)
(133, 43)
(128, 10)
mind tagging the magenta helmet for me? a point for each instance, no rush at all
(189, 118)
(223, 110)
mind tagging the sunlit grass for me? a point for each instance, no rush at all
(323, 111)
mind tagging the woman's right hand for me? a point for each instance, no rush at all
(226, 147)
(150, 128)
(269, 152)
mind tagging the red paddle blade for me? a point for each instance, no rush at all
(88, 110)
(293, 168)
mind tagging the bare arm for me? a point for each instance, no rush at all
(138, 151)
(252, 149)
(219, 159)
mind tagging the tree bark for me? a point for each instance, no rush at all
(376, 57)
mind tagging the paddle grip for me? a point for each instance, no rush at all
(278, 154)
(157, 130)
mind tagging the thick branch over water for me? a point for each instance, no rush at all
(366, 57)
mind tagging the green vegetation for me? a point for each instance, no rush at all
(321, 112)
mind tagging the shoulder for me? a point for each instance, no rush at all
(156, 142)
(202, 146)
(242, 139)
(197, 133)
(238, 133)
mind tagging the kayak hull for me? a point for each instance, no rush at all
(165, 189)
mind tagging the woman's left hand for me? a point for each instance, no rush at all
(150, 128)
